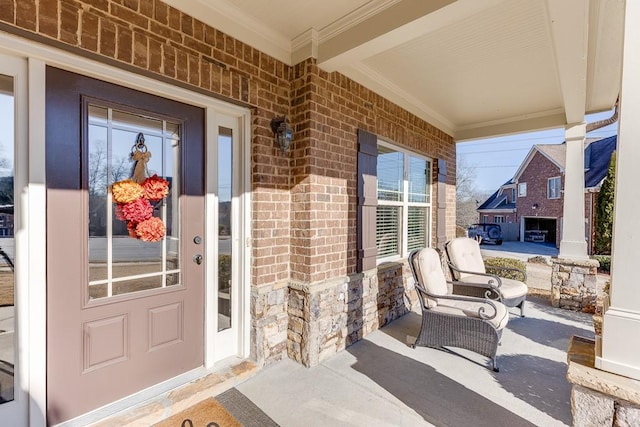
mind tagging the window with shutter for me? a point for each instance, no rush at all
(403, 214)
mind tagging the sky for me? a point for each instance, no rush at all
(496, 160)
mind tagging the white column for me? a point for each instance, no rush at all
(573, 244)
(620, 343)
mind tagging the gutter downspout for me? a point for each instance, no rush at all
(602, 123)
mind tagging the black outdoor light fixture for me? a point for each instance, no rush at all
(282, 132)
(535, 206)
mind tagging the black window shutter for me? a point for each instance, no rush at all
(367, 200)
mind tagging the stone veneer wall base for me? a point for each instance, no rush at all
(327, 317)
(574, 284)
(599, 398)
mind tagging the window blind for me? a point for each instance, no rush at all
(390, 175)
(388, 230)
(417, 228)
(418, 189)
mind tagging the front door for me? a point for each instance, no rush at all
(125, 292)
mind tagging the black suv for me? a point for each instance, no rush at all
(490, 233)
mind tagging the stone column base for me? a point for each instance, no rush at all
(574, 284)
(599, 398)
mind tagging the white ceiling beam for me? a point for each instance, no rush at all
(512, 127)
(606, 28)
(569, 25)
(396, 24)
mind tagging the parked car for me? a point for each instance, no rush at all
(489, 233)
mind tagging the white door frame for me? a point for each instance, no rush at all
(221, 346)
(32, 332)
(15, 412)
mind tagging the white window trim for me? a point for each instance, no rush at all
(549, 187)
(405, 204)
(522, 185)
(495, 217)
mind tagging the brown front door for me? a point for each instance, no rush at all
(123, 314)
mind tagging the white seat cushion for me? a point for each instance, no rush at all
(510, 288)
(464, 253)
(470, 309)
(429, 269)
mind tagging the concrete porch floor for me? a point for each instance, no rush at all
(382, 381)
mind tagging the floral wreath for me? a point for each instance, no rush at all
(135, 196)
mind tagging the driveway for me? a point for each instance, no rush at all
(538, 274)
(519, 250)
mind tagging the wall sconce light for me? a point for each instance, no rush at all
(283, 133)
(535, 206)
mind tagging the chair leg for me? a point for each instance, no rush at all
(494, 362)
(521, 309)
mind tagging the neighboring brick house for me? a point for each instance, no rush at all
(538, 189)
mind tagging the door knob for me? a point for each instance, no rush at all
(197, 258)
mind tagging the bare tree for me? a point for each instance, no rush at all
(99, 168)
(468, 197)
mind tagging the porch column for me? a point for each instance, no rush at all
(573, 244)
(620, 346)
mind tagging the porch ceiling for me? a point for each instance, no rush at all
(474, 68)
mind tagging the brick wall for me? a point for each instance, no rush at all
(536, 175)
(304, 203)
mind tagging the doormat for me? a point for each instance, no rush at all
(208, 413)
(244, 410)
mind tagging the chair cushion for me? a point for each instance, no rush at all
(510, 288)
(470, 309)
(464, 253)
(429, 269)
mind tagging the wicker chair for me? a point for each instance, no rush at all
(467, 266)
(449, 320)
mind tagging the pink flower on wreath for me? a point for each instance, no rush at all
(155, 188)
(119, 213)
(126, 191)
(137, 211)
(151, 230)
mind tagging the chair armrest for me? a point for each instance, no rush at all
(476, 273)
(492, 291)
(517, 270)
(486, 304)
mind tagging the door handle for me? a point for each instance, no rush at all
(197, 258)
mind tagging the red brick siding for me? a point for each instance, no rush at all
(324, 175)
(536, 174)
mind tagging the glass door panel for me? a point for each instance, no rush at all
(7, 246)
(225, 233)
(121, 261)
